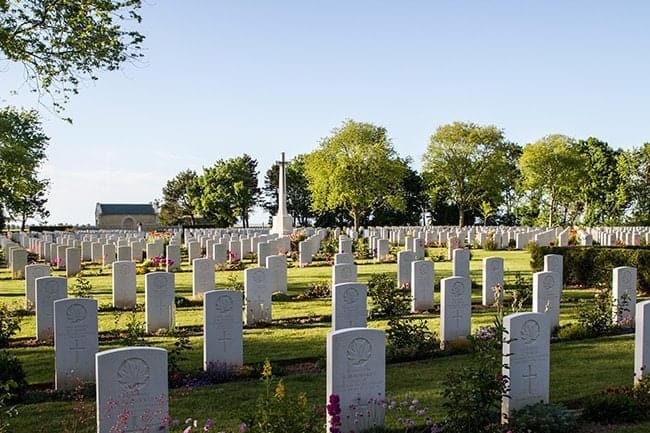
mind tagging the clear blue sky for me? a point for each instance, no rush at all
(224, 78)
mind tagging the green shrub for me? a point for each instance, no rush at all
(388, 301)
(592, 266)
(82, 287)
(12, 376)
(543, 418)
(611, 407)
(410, 339)
(317, 290)
(573, 331)
(9, 324)
(596, 317)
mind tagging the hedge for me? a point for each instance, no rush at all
(592, 266)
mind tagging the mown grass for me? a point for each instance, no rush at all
(578, 368)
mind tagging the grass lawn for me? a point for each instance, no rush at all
(578, 368)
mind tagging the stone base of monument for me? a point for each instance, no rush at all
(282, 225)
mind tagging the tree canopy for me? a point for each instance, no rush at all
(467, 164)
(356, 169)
(178, 192)
(555, 168)
(62, 43)
(22, 150)
(227, 190)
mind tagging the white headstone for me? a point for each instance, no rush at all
(220, 254)
(108, 254)
(173, 257)
(455, 308)
(343, 258)
(193, 250)
(546, 296)
(383, 249)
(555, 263)
(356, 373)
(32, 272)
(461, 263)
(263, 251)
(124, 285)
(124, 253)
(624, 294)
(132, 392)
(404, 260)
(492, 276)
(258, 288)
(18, 258)
(222, 329)
(642, 341)
(304, 253)
(278, 267)
(526, 359)
(72, 261)
(75, 342)
(421, 285)
(48, 290)
(96, 252)
(349, 305)
(346, 273)
(159, 301)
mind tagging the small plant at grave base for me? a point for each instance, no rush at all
(411, 415)
(234, 283)
(276, 412)
(134, 330)
(179, 353)
(317, 290)
(596, 317)
(409, 339)
(191, 424)
(12, 377)
(162, 263)
(55, 264)
(6, 412)
(543, 418)
(9, 324)
(473, 394)
(81, 287)
(82, 413)
(522, 294)
(388, 300)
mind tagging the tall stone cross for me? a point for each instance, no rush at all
(282, 221)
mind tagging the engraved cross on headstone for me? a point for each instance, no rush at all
(457, 316)
(530, 377)
(76, 348)
(224, 339)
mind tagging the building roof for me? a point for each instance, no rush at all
(125, 209)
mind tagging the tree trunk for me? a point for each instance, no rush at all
(552, 208)
(355, 218)
(461, 216)
(23, 222)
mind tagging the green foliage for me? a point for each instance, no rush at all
(317, 290)
(134, 331)
(596, 317)
(64, 44)
(278, 412)
(466, 164)
(355, 169)
(22, 151)
(12, 376)
(82, 287)
(9, 324)
(178, 193)
(554, 167)
(409, 339)
(634, 168)
(228, 190)
(178, 354)
(612, 407)
(388, 301)
(592, 266)
(543, 418)
(573, 331)
(472, 395)
(522, 293)
(6, 412)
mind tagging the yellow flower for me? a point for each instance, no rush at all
(266, 370)
(279, 390)
(302, 399)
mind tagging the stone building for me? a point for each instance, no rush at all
(126, 216)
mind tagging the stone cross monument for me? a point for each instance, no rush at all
(282, 221)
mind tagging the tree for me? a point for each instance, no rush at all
(467, 164)
(177, 199)
(599, 194)
(298, 197)
(634, 166)
(228, 190)
(22, 150)
(62, 43)
(415, 202)
(554, 167)
(355, 168)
